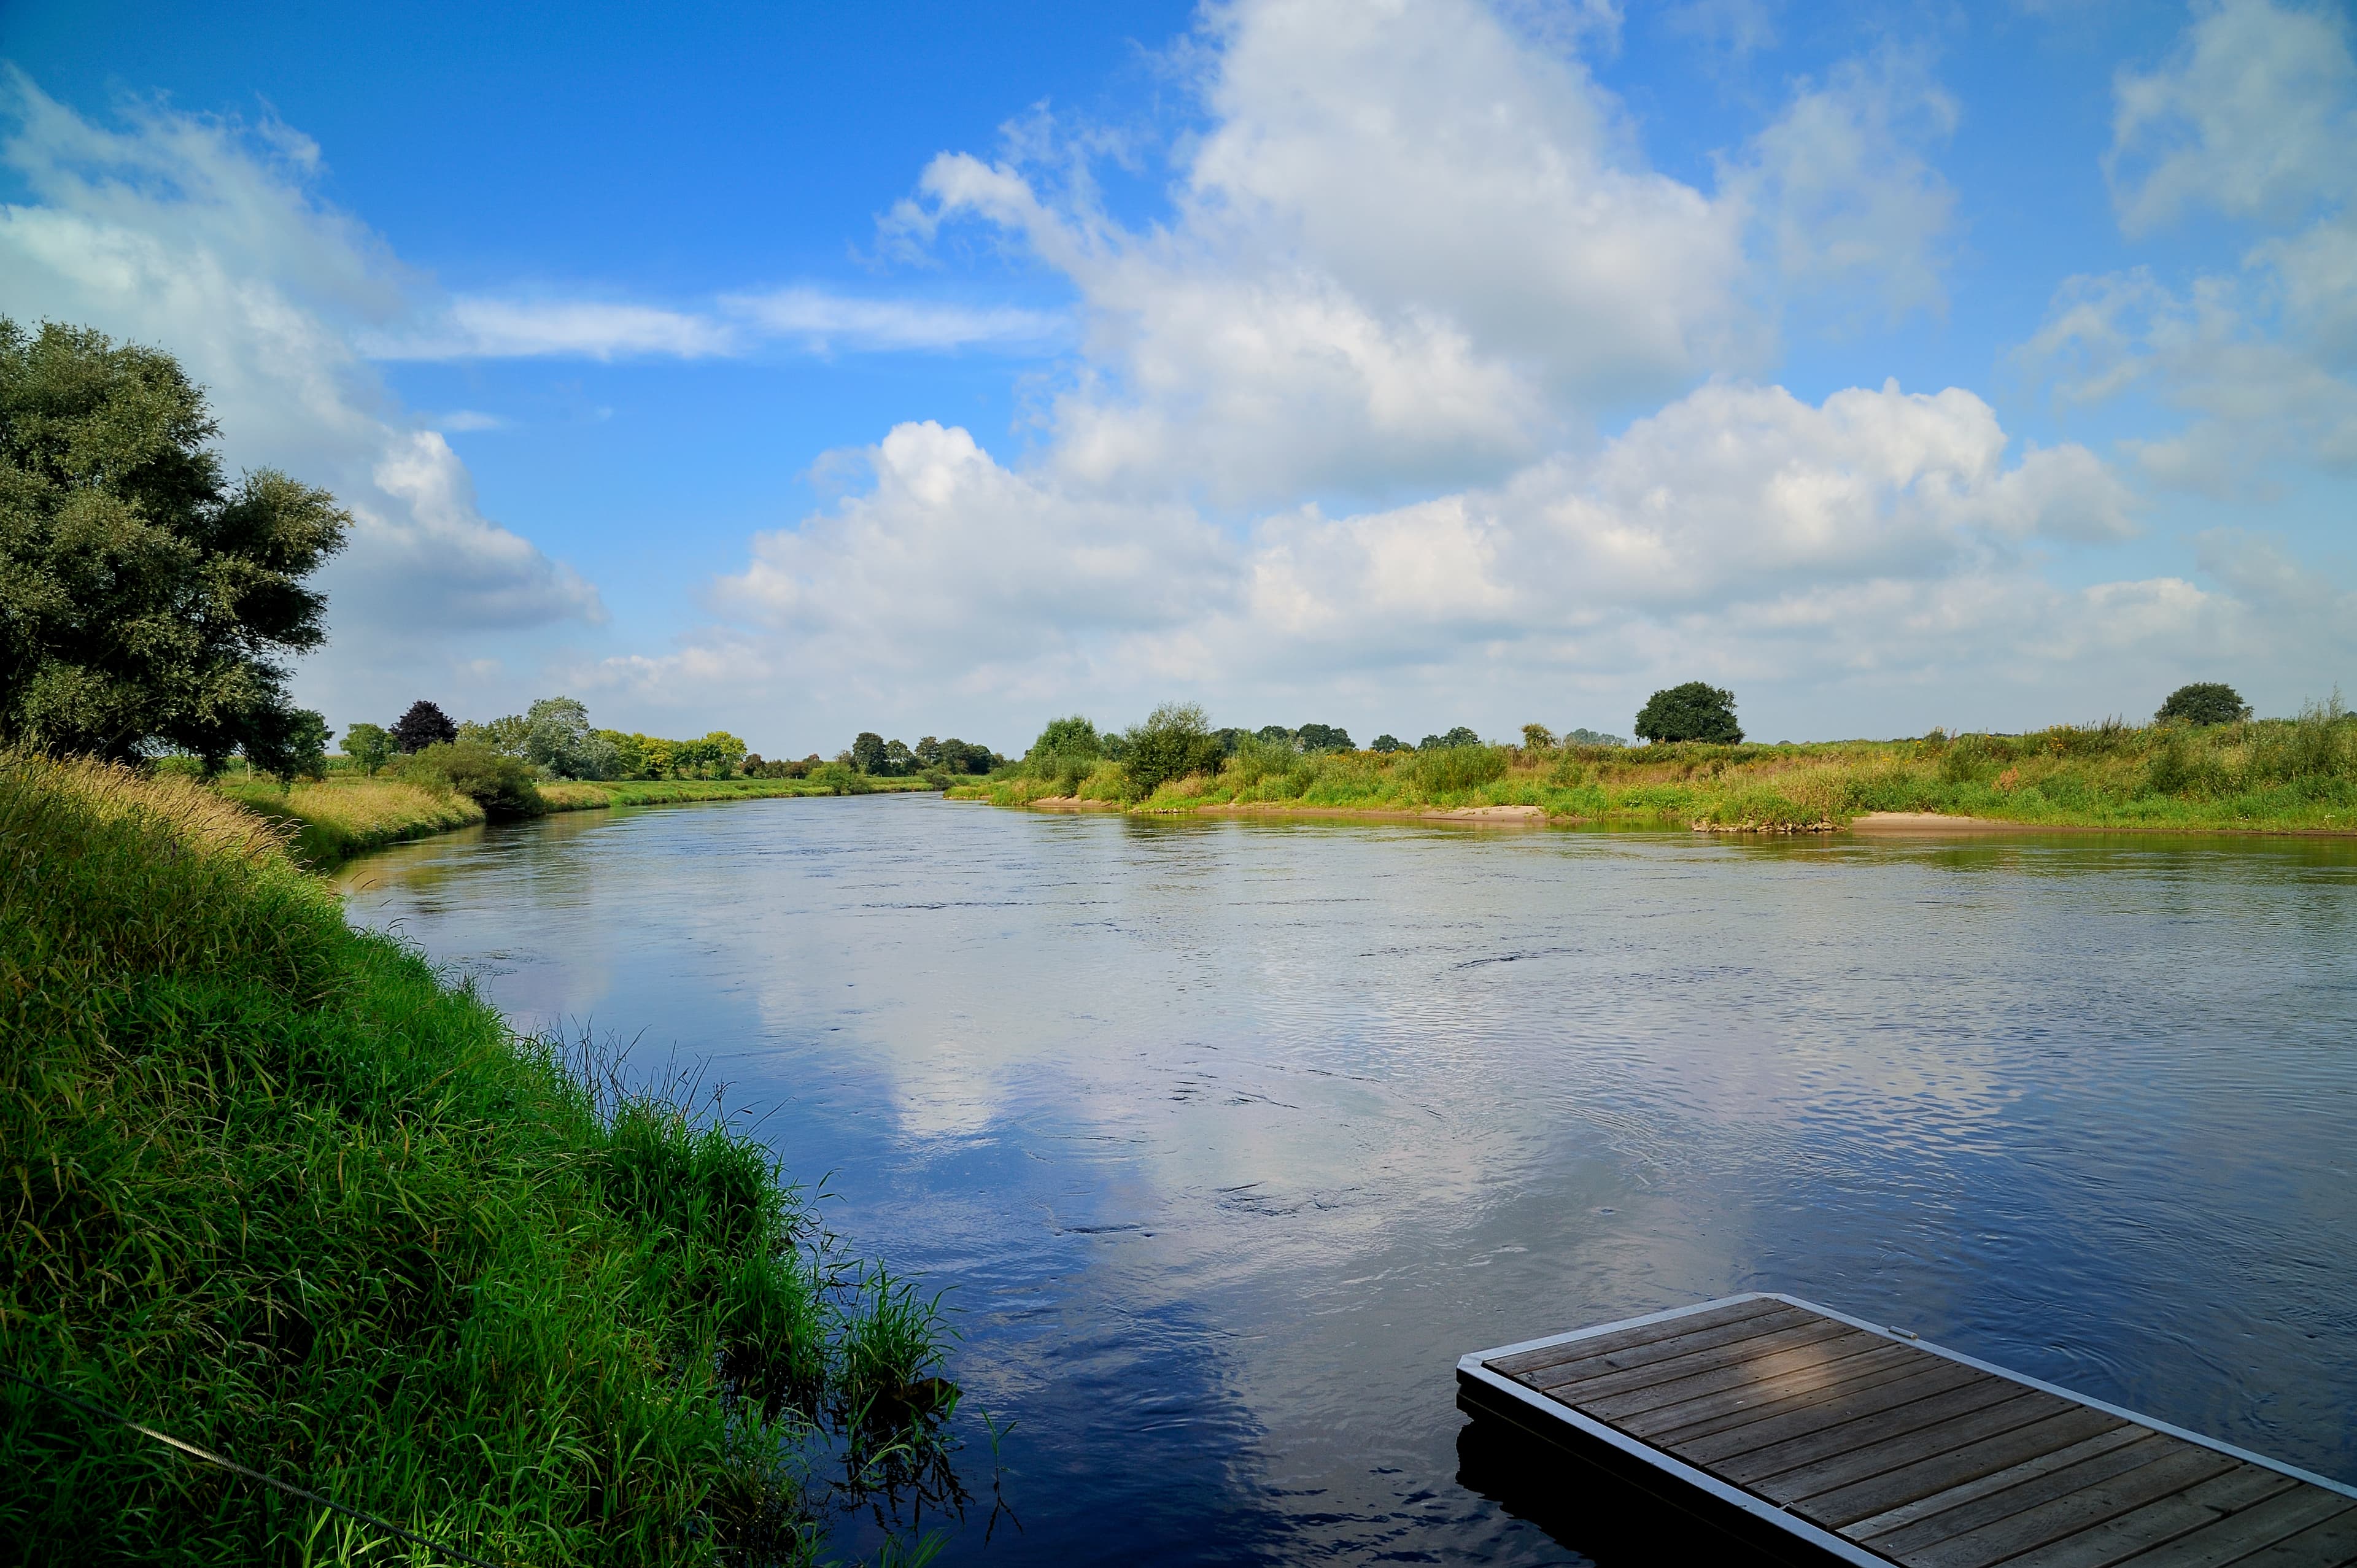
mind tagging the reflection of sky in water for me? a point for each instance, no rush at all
(1232, 1137)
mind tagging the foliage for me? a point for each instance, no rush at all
(1175, 740)
(1451, 770)
(279, 1190)
(505, 734)
(423, 725)
(868, 752)
(2204, 702)
(840, 778)
(145, 599)
(369, 745)
(1388, 742)
(1537, 737)
(1695, 711)
(557, 738)
(1460, 735)
(1583, 737)
(501, 786)
(1067, 737)
(1323, 737)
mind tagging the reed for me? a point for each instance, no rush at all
(276, 1187)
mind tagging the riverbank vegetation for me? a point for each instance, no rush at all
(274, 1188)
(2278, 775)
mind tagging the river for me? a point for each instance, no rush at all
(1230, 1137)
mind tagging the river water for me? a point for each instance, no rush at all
(1230, 1138)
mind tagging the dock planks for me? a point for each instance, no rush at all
(1861, 1444)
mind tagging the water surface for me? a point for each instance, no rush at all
(1231, 1136)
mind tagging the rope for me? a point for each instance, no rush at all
(210, 1458)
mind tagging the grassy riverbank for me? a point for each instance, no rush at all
(343, 816)
(273, 1188)
(2280, 775)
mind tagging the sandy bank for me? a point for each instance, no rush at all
(1936, 822)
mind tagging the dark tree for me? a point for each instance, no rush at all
(898, 758)
(928, 751)
(1274, 735)
(1323, 737)
(1074, 736)
(1460, 735)
(144, 599)
(868, 752)
(2204, 703)
(1695, 711)
(1388, 742)
(423, 725)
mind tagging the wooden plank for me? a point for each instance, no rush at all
(2103, 1545)
(1942, 1481)
(2177, 1467)
(2236, 1537)
(1516, 1365)
(1726, 1443)
(2327, 1545)
(1648, 1365)
(1728, 1389)
(1632, 1364)
(1692, 1421)
(1857, 1429)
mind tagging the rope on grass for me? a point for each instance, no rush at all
(210, 1458)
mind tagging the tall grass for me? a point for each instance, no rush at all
(2296, 774)
(274, 1188)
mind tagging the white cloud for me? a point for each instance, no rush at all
(475, 328)
(1845, 192)
(826, 321)
(200, 234)
(2252, 117)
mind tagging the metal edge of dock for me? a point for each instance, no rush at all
(1731, 1507)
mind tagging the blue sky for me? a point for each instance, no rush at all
(935, 371)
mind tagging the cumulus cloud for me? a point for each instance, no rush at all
(201, 234)
(2251, 117)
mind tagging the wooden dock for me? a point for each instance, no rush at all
(1820, 1437)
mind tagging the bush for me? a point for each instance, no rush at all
(2204, 703)
(1448, 769)
(368, 745)
(1175, 740)
(1695, 711)
(501, 786)
(841, 778)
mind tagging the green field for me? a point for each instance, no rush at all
(2270, 774)
(274, 1187)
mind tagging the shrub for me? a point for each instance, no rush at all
(501, 786)
(1695, 711)
(841, 778)
(2204, 703)
(368, 745)
(1448, 769)
(1175, 740)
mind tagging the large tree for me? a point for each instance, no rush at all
(146, 599)
(1695, 711)
(2204, 703)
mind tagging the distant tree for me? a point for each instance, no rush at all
(505, 734)
(557, 736)
(868, 752)
(1695, 711)
(1175, 740)
(423, 725)
(1460, 735)
(1388, 742)
(1323, 737)
(1537, 737)
(145, 599)
(928, 752)
(368, 745)
(961, 756)
(899, 758)
(2204, 703)
(1583, 737)
(1114, 744)
(1274, 735)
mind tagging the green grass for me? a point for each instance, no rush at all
(2275, 776)
(272, 1187)
(347, 814)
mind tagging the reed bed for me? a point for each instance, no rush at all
(274, 1187)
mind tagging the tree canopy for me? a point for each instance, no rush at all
(423, 725)
(1175, 740)
(146, 599)
(1695, 711)
(2204, 703)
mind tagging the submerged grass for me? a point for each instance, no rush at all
(2276, 775)
(272, 1187)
